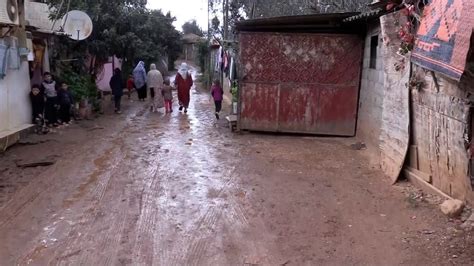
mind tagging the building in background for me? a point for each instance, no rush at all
(190, 46)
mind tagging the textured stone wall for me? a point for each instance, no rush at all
(371, 98)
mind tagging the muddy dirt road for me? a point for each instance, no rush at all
(148, 189)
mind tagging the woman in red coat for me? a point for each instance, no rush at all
(183, 82)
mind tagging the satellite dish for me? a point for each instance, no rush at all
(12, 10)
(77, 25)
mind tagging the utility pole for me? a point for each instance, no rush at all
(226, 19)
(209, 41)
(225, 31)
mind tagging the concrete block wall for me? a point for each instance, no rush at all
(371, 98)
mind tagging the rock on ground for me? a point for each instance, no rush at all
(452, 207)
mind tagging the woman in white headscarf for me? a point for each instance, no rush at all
(155, 84)
(139, 78)
(184, 82)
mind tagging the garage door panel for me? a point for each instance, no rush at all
(323, 59)
(259, 107)
(298, 108)
(299, 82)
(261, 57)
(338, 110)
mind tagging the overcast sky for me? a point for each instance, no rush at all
(183, 10)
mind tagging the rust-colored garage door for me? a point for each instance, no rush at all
(301, 83)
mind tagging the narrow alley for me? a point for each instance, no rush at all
(148, 189)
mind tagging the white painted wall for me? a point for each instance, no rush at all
(15, 107)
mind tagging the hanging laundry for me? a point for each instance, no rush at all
(232, 75)
(221, 65)
(226, 60)
(3, 60)
(218, 59)
(13, 58)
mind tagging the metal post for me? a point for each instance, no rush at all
(225, 17)
(209, 72)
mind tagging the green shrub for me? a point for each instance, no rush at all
(82, 86)
(203, 55)
(235, 92)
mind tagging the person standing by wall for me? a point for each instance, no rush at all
(139, 78)
(184, 82)
(130, 86)
(116, 85)
(66, 101)
(167, 92)
(48, 89)
(37, 103)
(155, 85)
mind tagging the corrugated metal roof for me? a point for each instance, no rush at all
(366, 15)
(322, 22)
(383, 3)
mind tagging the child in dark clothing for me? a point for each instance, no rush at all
(218, 94)
(168, 95)
(37, 103)
(130, 85)
(48, 89)
(65, 102)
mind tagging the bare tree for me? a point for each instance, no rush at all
(276, 8)
(332, 6)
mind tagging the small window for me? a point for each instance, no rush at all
(374, 43)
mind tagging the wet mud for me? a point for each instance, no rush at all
(181, 189)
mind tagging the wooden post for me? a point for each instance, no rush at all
(20, 33)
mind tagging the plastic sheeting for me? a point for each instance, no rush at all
(3, 60)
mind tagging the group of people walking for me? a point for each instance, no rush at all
(53, 103)
(159, 88)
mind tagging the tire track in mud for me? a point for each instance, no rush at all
(147, 220)
(24, 202)
(250, 233)
(198, 241)
(86, 220)
(24, 198)
(100, 178)
(113, 232)
(117, 232)
(159, 222)
(230, 214)
(40, 186)
(144, 221)
(190, 246)
(106, 231)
